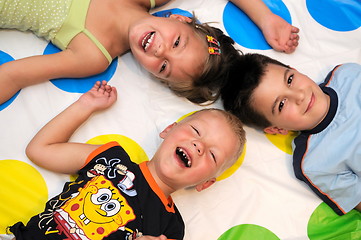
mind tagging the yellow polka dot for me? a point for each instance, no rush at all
(234, 167)
(23, 193)
(136, 153)
(283, 142)
(186, 115)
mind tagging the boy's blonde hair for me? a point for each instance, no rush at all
(237, 127)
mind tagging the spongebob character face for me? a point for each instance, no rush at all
(98, 210)
(101, 206)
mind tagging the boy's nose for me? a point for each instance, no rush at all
(199, 147)
(299, 96)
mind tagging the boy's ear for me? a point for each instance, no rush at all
(275, 130)
(181, 18)
(206, 184)
(166, 130)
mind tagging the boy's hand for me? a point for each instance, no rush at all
(281, 35)
(161, 237)
(100, 97)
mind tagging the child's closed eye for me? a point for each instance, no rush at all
(163, 67)
(214, 157)
(196, 130)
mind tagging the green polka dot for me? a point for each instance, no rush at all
(325, 224)
(248, 232)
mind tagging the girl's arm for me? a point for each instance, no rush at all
(50, 148)
(278, 33)
(160, 2)
(76, 61)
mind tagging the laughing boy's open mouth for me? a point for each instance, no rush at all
(183, 157)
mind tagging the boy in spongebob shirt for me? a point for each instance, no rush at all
(114, 198)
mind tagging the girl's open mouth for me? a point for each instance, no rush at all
(147, 40)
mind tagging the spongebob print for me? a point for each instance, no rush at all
(113, 168)
(95, 212)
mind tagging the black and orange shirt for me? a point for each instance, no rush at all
(112, 198)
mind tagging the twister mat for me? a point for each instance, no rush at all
(259, 198)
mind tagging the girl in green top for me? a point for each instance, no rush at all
(192, 59)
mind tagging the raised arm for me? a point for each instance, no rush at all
(160, 2)
(50, 148)
(281, 35)
(77, 61)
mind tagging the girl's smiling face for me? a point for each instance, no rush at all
(168, 48)
(289, 99)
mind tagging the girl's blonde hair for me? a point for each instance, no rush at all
(205, 88)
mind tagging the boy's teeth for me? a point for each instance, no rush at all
(188, 163)
(183, 156)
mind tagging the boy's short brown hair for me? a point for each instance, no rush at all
(237, 94)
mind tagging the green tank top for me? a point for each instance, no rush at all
(75, 24)
(44, 18)
(58, 21)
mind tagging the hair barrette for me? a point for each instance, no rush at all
(213, 50)
(213, 40)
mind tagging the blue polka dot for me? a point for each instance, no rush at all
(337, 15)
(80, 85)
(4, 57)
(168, 12)
(246, 33)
